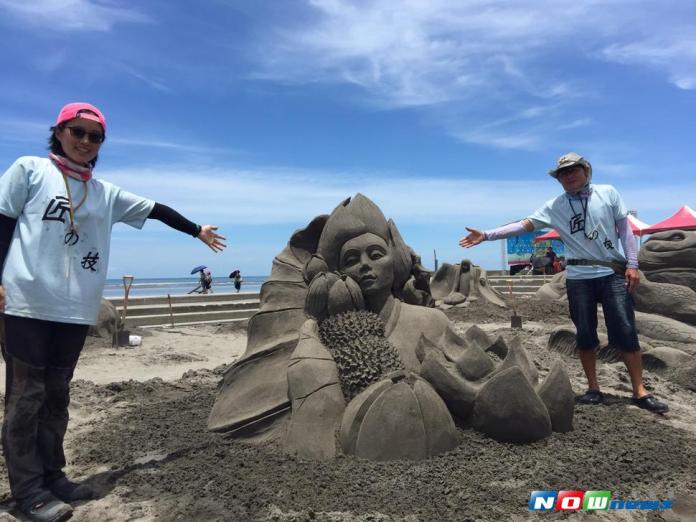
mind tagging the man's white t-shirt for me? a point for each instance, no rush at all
(51, 273)
(587, 227)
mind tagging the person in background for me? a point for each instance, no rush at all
(206, 282)
(237, 278)
(591, 220)
(55, 234)
(551, 256)
(539, 263)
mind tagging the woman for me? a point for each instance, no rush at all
(237, 280)
(55, 228)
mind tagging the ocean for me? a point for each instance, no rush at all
(158, 286)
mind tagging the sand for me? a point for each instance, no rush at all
(138, 435)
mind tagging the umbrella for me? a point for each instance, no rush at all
(199, 268)
(233, 274)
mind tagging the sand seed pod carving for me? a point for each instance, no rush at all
(317, 300)
(314, 265)
(400, 417)
(344, 296)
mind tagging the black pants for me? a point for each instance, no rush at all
(40, 357)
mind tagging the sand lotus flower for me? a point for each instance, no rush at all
(345, 295)
(399, 417)
(317, 300)
(314, 265)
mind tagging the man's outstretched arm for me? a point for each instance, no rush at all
(477, 236)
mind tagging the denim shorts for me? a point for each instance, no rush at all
(609, 291)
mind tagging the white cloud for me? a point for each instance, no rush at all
(276, 195)
(421, 53)
(154, 83)
(523, 141)
(574, 124)
(430, 212)
(675, 56)
(460, 60)
(15, 130)
(70, 15)
(166, 145)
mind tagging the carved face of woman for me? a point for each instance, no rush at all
(367, 260)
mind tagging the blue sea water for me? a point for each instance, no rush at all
(159, 286)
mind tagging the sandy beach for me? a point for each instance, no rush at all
(138, 435)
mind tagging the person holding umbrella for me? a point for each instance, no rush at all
(236, 277)
(205, 281)
(55, 233)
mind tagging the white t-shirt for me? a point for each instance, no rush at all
(49, 272)
(587, 227)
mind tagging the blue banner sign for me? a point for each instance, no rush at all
(521, 248)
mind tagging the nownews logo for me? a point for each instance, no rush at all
(589, 501)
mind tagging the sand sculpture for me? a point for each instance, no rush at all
(668, 263)
(672, 301)
(108, 321)
(664, 311)
(338, 347)
(670, 257)
(665, 304)
(461, 285)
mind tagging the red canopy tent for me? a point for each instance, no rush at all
(637, 226)
(682, 219)
(549, 235)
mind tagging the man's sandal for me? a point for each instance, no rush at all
(591, 397)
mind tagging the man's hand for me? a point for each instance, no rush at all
(2, 299)
(472, 239)
(632, 279)
(210, 238)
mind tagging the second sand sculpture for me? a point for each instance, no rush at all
(342, 345)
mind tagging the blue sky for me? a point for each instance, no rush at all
(258, 115)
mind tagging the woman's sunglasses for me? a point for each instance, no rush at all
(78, 133)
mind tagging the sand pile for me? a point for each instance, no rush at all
(144, 445)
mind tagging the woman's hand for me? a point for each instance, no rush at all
(2, 299)
(212, 239)
(473, 239)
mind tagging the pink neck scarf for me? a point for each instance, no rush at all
(70, 168)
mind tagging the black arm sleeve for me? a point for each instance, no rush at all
(7, 226)
(172, 218)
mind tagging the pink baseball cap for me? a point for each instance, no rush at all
(81, 110)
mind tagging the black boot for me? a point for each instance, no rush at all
(53, 422)
(25, 394)
(44, 507)
(69, 491)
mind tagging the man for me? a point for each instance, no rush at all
(591, 220)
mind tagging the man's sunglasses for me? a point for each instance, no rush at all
(78, 133)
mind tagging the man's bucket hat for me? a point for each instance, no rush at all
(570, 160)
